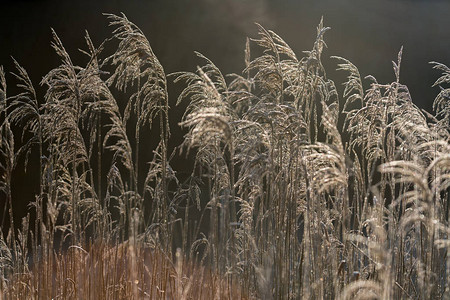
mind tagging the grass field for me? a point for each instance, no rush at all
(297, 191)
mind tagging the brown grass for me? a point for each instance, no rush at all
(298, 191)
(119, 272)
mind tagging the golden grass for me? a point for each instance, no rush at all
(298, 191)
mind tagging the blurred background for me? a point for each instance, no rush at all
(367, 32)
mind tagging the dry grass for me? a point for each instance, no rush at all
(120, 272)
(304, 193)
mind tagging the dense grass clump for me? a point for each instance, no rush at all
(296, 192)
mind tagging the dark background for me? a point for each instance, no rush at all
(367, 32)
